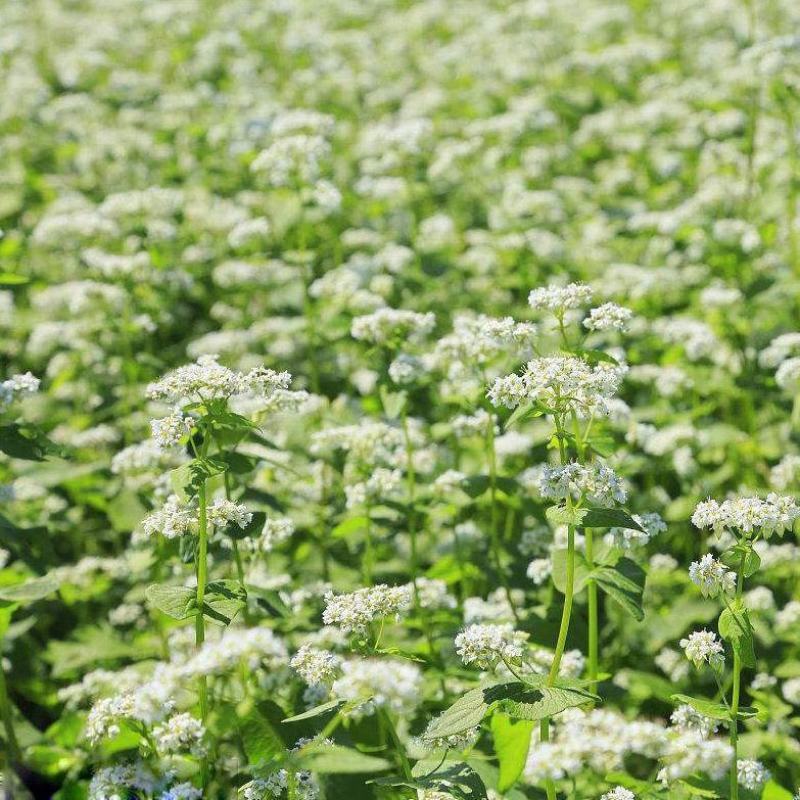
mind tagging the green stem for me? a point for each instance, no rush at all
(199, 620)
(735, 696)
(369, 557)
(592, 611)
(8, 721)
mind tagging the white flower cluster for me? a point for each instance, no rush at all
(390, 325)
(168, 431)
(559, 299)
(181, 733)
(619, 793)
(172, 520)
(17, 386)
(207, 379)
(595, 482)
(116, 782)
(382, 483)
(560, 383)
(608, 317)
(712, 576)
(276, 530)
(687, 719)
(314, 665)
(703, 647)
(628, 538)
(775, 514)
(224, 512)
(752, 774)
(379, 683)
(354, 612)
(487, 645)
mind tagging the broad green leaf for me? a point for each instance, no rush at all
(26, 442)
(178, 602)
(559, 574)
(774, 791)
(12, 279)
(393, 402)
(512, 739)
(561, 515)
(31, 590)
(517, 699)
(521, 414)
(457, 780)
(338, 760)
(705, 707)
(609, 518)
(623, 583)
(224, 600)
(348, 527)
(316, 711)
(553, 700)
(260, 739)
(734, 626)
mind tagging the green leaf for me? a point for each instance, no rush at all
(316, 711)
(260, 739)
(774, 791)
(12, 279)
(561, 515)
(559, 574)
(178, 602)
(609, 518)
(554, 700)
(623, 583)
(187, 478)
(705, 707)
(27, 442)
(457, 780)
(523, 413)
(348, 527)
(517, 699)
(338, 760)
(224, 600)
(393, 402)
(31, 590)
(734, 626)
(512, 739)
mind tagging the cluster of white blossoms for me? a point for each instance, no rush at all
(224, 512)
(172, 520)
(275, 531)
(559, 299)
(690, 753)
(619, 793)
(207, 380)
(651, 524)
(775, 514)
(560, 384)
(687, 719)
(181, 733)
(752, 774)
(608, 317)
(355, 612)
(17, 386)
(392, 325)
(379, 683)
(477, 424)
(314, 665)
(168, 431)
(595, 482)
(703, 647)
(486, 646)
(712, 576)
(276, 784)
(382, 483)
(478, 339)
(116, 782)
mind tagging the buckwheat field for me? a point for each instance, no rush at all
(400, 399)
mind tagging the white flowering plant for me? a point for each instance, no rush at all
(399, 400)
